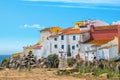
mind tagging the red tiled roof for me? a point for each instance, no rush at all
(36, 46)
(61, 32)
(66, 30)
(69, 31)
(98, 42)
(55, 35)
(106, 27)
(75, 31)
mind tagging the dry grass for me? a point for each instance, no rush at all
(35, 74)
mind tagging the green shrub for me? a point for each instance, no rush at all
(83, 69)
(5, 62)
(53, 60)
(110, 73)
(70, 62)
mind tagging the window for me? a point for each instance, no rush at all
(62, 46)
(55, 39)
(73, 47)
(76, 45)
(55, 46)
(74, 37)
(62, 37)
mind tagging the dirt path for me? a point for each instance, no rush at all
(35, 74)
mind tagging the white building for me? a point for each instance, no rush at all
(99, 49)
(43, 48)
(68, 40)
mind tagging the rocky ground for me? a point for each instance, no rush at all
(41, 74)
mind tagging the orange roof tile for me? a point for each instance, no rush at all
(18, 54)
(106, 27)
(69, 31)
(98, 42)
(36, 46)
(60, 32)
(66, 30)
(52, 29)
(54, 35)
(75, 31)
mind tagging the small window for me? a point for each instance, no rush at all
(76, 45)
(55, 46)
(55, 39)
(73, 47)
(62, 37)
(62, 46)
(74, 37)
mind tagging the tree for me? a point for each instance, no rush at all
(30, 60)
(53, 60)
(5, 62)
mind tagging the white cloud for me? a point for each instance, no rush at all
(31, 26)
(89, 7)
(85, 6)
(116, 23)
(81, 1)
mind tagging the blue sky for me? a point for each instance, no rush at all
(21, 20)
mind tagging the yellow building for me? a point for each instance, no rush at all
(18, 54)
(48, 31)
(79, 24)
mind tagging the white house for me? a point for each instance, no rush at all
(43, 48)
(68, 40)
(109, 50)
(99, 49)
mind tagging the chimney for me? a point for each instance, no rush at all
(92, 28)
(118, 39)
(91, 31)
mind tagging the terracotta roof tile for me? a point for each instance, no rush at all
(75, 31)
(54, 35)
(60, 32)
(69, 31)
(36, 46)
(98, 42)
(52, 29)
(106, 27)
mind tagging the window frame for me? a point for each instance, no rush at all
(74, 37)
(73, 47)
(62, 46)
(55, 39)
(55, 46)
(62, 37)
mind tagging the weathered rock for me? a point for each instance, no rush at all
(2, 68)
(88, 74)
(62, 63)
(105, 76)
(6, 69)
(117, 68)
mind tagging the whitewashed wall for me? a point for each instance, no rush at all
(113, 52)
(45, 48)
(74, 43)
(37, 53)
(44, 35)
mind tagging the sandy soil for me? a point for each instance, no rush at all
(35, 74)
(40, 74)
